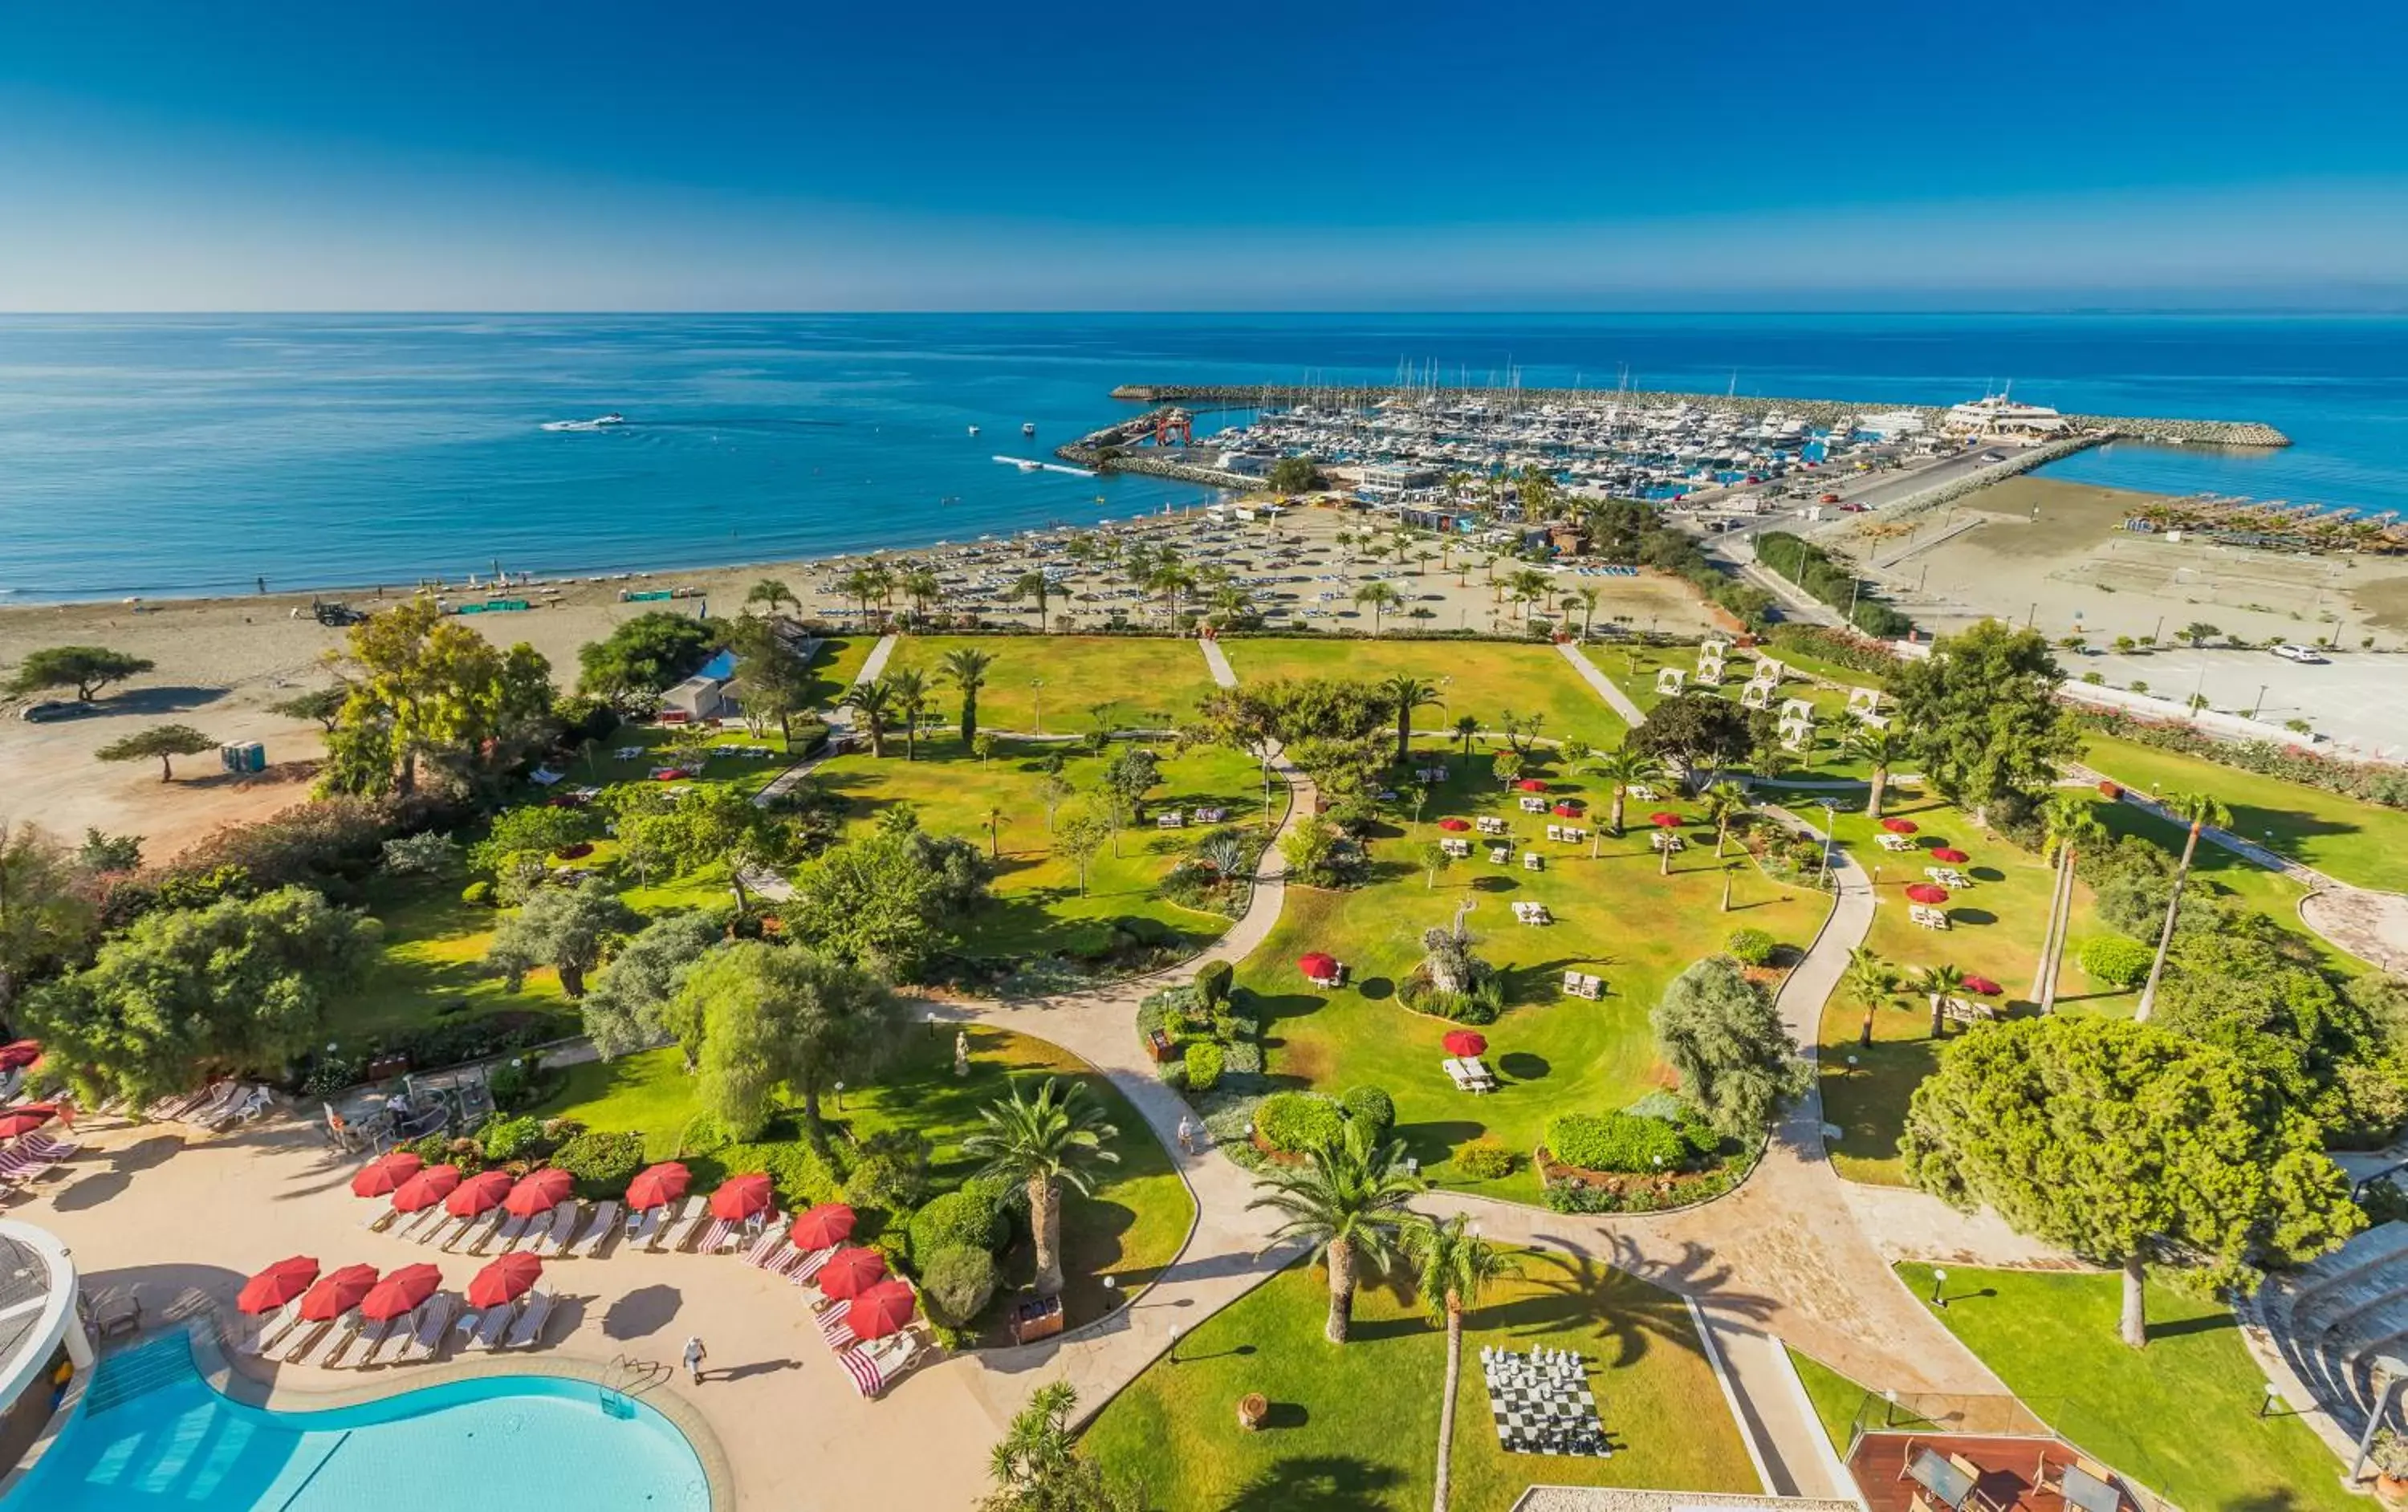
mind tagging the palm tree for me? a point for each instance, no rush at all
(967, 666)
(1230, 604)
(1380, 597)
(994, 822)
(910, 690)
(1346, 541)
(1724, 802)
(1877, 748)
(1588, 595)
(1173, 581)
(1347, 1202)
(1871, 981)
(1528, 587)
(879, 580)
(1036, 586)
(1940, 983)
(873, 701)
(2200, 810)
(1625, 767)
(920, 585)
(1405, 693)
(859, 585)
(773, 592)
(1454, 1266)
(1046, 1142)
(1466, 726)
(2070, 822)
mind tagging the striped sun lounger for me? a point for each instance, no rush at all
(763, 1252)
(606, 1217)
(837, 1329)
(858, 1364)
(808, 1264)
(548, 1236)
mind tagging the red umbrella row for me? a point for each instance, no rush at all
(326, 1298)
(415, 1185)
(821, 1227)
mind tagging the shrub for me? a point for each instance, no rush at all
(892, 1172)
(2115, 961)
(1090, 941)
(507, 1139)
(957, 1282)
(601, 1164)
(477, 894)
(1212, 981)
(1204, 1063)
(1148, 931)
(1371, 1107)
(1750, 946)
(1242, 1059)
(963, 1220)
(510, 1086)
(1616, 1142)
(1294, 1122)
(796, 1171)
(1486, 1159)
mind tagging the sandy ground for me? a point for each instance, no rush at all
(220, 661)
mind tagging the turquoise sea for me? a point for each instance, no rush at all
(164, 456)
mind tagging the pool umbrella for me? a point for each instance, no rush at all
(504, 1279)
(277, 1285)
(1567, 808)
(1316, 966)
(1531, 784)
(881, 1310)
(1452, 823)
(426, 1188)
(1463, 1042)
(24, 1120)
(657, 1186)
(483, 1191)
(399, 1292)
(337, 1293)
(852, 1271)
(538, 1192)
(820, 1227)
(20, 1053)
(1982, 987)
(1663, 820)
(1928, 893)
(383, 1176)
(1949, 853)
(1900, 826)
(740, 1197)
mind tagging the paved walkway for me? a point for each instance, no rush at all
(1604, 686)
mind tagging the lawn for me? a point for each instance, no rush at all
(1836, 1399)
(1615, 918)
(2357, 842)
(1037, 892)
(1633, 669)
(2269, 892)
(837, 664)
(1122, 681)
(1483, 678)
(432, 958)
(2182, 1416)
(1355, 1427)
(1132, 1227)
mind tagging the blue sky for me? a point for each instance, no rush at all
(266, 155)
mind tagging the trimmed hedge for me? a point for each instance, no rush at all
(1750, 946)
(1616, 1142)
(959, 1220)
(2115, 961)
(957, 1282)
(601, 1164)
(1372, 1107)
(1486, 1159)
(1294, 1123)
(1212, 981)
(1204, 1060)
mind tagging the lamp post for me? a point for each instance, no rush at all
(2266, 1404)
(839, 1097)
(1171, 1355)
(1939, 1280)
(1037, 691)
(1829, 817)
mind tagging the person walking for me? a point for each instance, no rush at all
(1186, 1135)
(694, 1355)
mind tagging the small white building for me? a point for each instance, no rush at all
(704, 696)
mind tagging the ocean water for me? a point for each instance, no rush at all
(172, 456)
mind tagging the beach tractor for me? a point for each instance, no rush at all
(336, 615)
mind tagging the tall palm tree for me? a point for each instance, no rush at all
(1045, 1143)
(1527, 586)
(1230, 604)
(920, 585)
(1878, 749)
(860, 585)
(1588, 595)
(967, 665)
(1405, 693)
(1873, 982)
(873, 701)
(1724, 802)
(2200, 810)
(772, 591)
(1466, 726)
(1347, 1202)
(880, 579)
(1345, 543)
(1625, 767)
(1938, 983)
(1380, 597)
(1173, 581)
(995, 821)
(910, 690)
(1035, 586)
(2069, 821)
(1454, 1266)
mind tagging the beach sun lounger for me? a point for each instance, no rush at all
(508, 1234)
(427, 1338)
(298, 1343)
(480, 1231)
(416, 1226)
(606, 1217)
(555, 1228)
(486, 1329)
(389, 1345)
(644, 1227)
(689, 1223)
(360, 1339)
(446, 1232)
(528, 1332)
(257, 1335)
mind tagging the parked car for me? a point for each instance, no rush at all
(53, 708)
(2305, 654)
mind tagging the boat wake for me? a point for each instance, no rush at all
(599, 422)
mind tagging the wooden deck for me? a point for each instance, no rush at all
(2018, 1474)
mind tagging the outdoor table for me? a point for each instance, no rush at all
(2082, 1489)
(1951, 1486)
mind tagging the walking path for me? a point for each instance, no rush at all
(1603, 686)
(839, 724)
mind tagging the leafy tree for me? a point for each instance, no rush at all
(324, 705)
(1405, 694)
(2127, 1144)
(45, 915)
(87, 669)
(1506, 767)
(1347, 1202)
(1724, 1037)
(564, 928)
(1725, 803)
(241, 985)
(772, 683)
(1038, 1467)
(164, 741)
(1434, 858)
(772, 591)
(1878, 749)
(716, 825)
(622, 1012)
(1294, 474)
(430, 690)
(873, 703)
(1698, 729)
(1082, 837)
(2199, 633)
(911, 687)
(427, 853)
(1982, 719)
(530, 830)
(1454, 1266)
(1625, 767)
(1379, 597)
(1045, 1143)
(889, 901)
(1053, 790)
(754, 1017)
(1132, 773)
(104, 854)
(967, 666)
(2198, 810)
(644, 657)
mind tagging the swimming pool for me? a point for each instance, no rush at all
(153, 1434)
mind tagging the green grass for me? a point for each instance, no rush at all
(2357, 842)
(2250, 885)
(2181, 1416)
(432, 955)
(1615, 918)
(839, 662)
(1633, 669)
(1837, 1400)
(1355, 1427)
(1483, 678)
(1126, 681)
(1130, 1229)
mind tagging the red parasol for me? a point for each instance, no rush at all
(24, 1120)
(1531, 784)
(399, 1292)
(538, 1192)
(20, 1053)
(881, 1310)
(852, 1271)
(337, 1292)
(1463, 1042)
(821, 1227)
(1663, 820)
(1928, 893)
(1900, 826)
(657, 1186)
(383, 1176)
(426, 1188)
(1983, 986)
(277, 1285)
(740, 1197)
(504, 1279)
(1568, 807)
(1949, 853)
(1452, 823)
(479, 1193)
(1317, 966)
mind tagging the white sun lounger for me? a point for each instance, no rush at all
(528, 1331)
(589, 1244)
(329, 1345)
(257, 1335)
(508, 1234)
(555, 1226)
(417, 1226)
(427, 1338)
(380, 1220)
(447, 1232)
(479, 1230)
(388, 1348)
(643, 1227)
(295, 1345)
(486, 1329)
(362, 1339)
(687, 1225)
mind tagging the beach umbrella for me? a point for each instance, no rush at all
(820, 1227)
(1949, 853)
(1317, 966)
(277, 1285)
(24, 1120)
(1928, 893)
(538, 1192)
(1663, 820)
(852, 1271)
(479, 1193)
(1982, 987)
(740, 1197)
(426, 1188)
(20, 1053)
(657, 1186)
(400, 1292)
(1451, 823)
(1567, 809)
(881, 1310)
(1900, 826)
(504, 1279)
(337, 1293)
(383, 1176)
(1463, 1042)
(1531, 784)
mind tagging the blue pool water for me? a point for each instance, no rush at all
(155, 1435)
